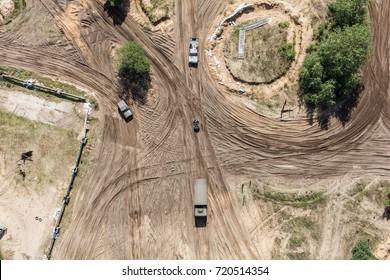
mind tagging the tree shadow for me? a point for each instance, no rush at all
(117, 13)
(386, 213)
(342, 110)
(135, 87)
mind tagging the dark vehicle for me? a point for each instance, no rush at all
(196, 125)
(124, 110)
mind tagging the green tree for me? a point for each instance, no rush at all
(133, 60)
(348, 12)
(330, 70)
(343, 53)
(363, 251)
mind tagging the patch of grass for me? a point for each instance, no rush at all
(1, 255)
(363, 251)
(47, 82)
(268, 55)
(48, 28)
(53, 149)
(310, 198)
(283, 25)
(298, 255)
(296, 241)
(358, 189)
(157, 10)
(287, 51)
(378, 193)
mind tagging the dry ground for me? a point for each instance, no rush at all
(136, 199)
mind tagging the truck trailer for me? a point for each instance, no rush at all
(200, 202)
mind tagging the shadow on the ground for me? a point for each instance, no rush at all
(341, 111)
(135, 87)
(117, 13)
(386, 213)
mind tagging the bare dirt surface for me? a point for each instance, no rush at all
(136, 199)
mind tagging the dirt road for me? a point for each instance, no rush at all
(136, 200)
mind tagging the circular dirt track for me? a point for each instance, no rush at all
(136, 199)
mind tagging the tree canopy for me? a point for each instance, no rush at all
(330, 70)
(348, 12)
(133, 60)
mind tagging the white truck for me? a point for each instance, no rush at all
(200, 202)
(193, 53)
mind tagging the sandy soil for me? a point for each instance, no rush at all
(141, 181)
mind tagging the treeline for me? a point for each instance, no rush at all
(342, 45)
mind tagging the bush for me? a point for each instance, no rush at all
(330, 69)
(287, 51)
(133, 60)
(363, 251)
(348, 12)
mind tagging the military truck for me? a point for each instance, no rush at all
(124, 110)
(193, 53)
(200, 202)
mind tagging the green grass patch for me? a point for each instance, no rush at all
(298, 255)
(157, 10)
(54, 150)
(363, 251)
(308, 199)
(47, 82)
(379, 193)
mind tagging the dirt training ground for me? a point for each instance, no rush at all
(136, 199)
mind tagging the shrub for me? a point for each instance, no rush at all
(363, 251)
(330, 70)
(287, 51)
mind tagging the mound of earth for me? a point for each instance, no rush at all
(264, 59)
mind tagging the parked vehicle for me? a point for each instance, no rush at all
(200, 202)
(125, 110)
(193, 53)
(196, 125)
